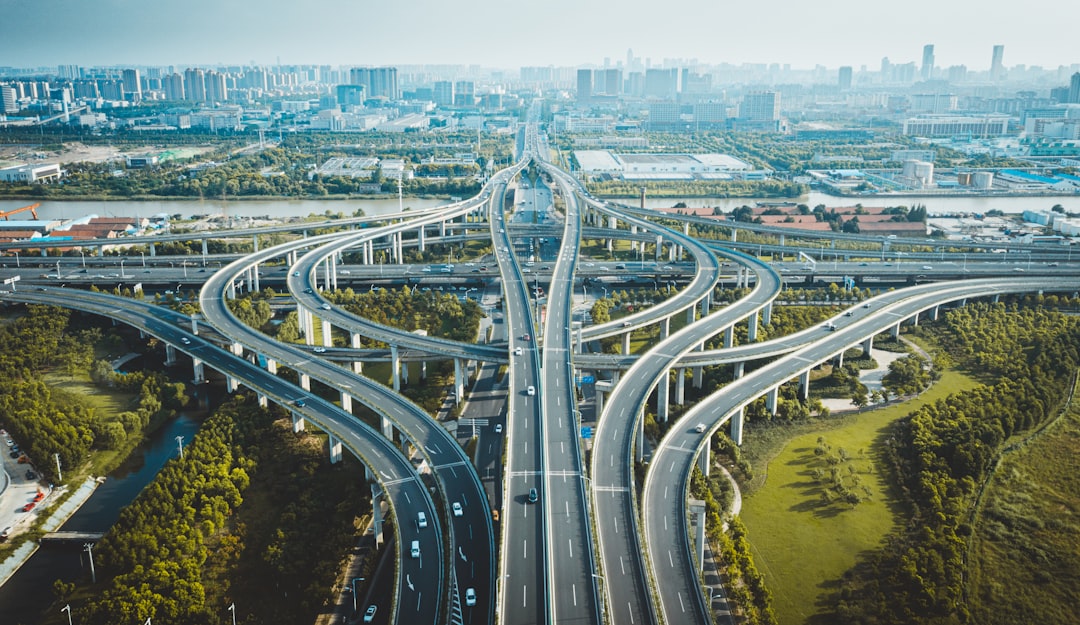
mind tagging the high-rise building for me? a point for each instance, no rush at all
(997, 69)
(173, 85)
(844, 80)
(8, 101)
(584, 85)
(111, 89)
(444, 93)
(381, 82)
(1074, 89)
(662, 83)
(464, 93)
(194, 84)
(664, 113)
(216, 87)
(927, 61)
(608, 81)
(132, 84)
(760, 106)
(710, 114)
(350, 95)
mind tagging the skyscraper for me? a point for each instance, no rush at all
(584, 85)
(997, 70)
(194, 85)
(132, 84)
(927, 61)
(173, 84)
(1074, 89)
(379, 81)
(845, 78)
(444, 92)
(760, 106)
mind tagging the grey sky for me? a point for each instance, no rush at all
(549, 32)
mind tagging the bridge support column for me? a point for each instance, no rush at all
(766, 314)
(459, 380)
(665, 328)
(231, 384)
(934, 313)
(663, 387)
(626, 343)
(263, 401)
(729, 337)
(598, 397)
(400, 249)
(867, 345)
(170, 355)
(305, 382)
(346, 402)
(613, 224)
(689, 315)
(680, 386)
(751, 327)
(705, 457)
(237, 349)
(734, 235)
(271, 366)
(297, 423)
(153, 250)
(357, 365)
(423, 370)
(633, 243)
(737, 426)
(740, 369)
(395, 367)
(335, 449)
(699, 511)
(255, 277)
(327, 336)
(698, 376)
(230, 292)
(639, 439)
(706, 303)
(199, 373)
(376, 514)
(804, 385)
(771, 400)
(405, 373)
(896, 331)
(204, 250)
(915, 319)
(387, 428)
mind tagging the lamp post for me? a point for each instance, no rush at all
(232, 609)
(57, 270)
(143, 254)
(354, 580)
(180, 446)
(17, 265)
(67, 609)
(89, 548)
(122, 274)
(83, 254)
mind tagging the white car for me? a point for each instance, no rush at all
(421, 520)
(456, 507)
(498, 428)
(470, 597)
(517, 351)
(531, 390)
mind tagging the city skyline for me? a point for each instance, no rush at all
(561, 33)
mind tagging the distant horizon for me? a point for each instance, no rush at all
(559, 33)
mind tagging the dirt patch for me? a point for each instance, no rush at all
(75, 151)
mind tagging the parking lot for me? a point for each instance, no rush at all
(22, 495)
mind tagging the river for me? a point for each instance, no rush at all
(29, 590)
(279, 209)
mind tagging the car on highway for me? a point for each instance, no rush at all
(456, 507)
(495, 515)
(414, 549)
(299, 403)
(517, 351)
(296, 274)
(319, 350)
(927, 267)
(699, 428)
(369, 614)
(533, 497)
(866, 305)
(185, 340)
(470, 597)
(325, 306)
(849, 313)
(531, 390)
(421, 519)
(526, 337)
(498, 428)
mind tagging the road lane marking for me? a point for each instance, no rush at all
(570, 544)
(573, 587)
(671, 561)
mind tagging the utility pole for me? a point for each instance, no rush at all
(89, 548)
(180, 445)
(59, 475)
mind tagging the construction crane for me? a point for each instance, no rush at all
(32, 208)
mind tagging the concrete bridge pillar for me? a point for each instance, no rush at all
(662, 389)
(699, 512)
(737, 426)
(639, 439)
(236, 349)
(423, 370)
(170, 355)
(442, 228)
(271, 365)
(689, 315)
(387, 428)
(934, 313)
(354, 341)
(729, 336)
(230, 292)
(699, 377)
(868, 345)
(734, 235)
(665, 328)
(766, 314)
(420, 239)
(346, 402)
(405, 373)
(263, 401)
(153, 250)
(204, 250)
(705, 457)
(305, 382)
(706, 303)
(459, 379)
(633, 243)
(804, 385)
(752, 327)
(896, 331)
(680, 386)
(255, 285)
(297, 423)
(626, 343)
(198, 370)
(327, 335)
(771, 400)
(335, 449)
(231, 384)
(839, 360)
(376, 514)
(782, 239)
(659, 247)
(598, 397)
(395, 367)
(915, 319)
(740, 369)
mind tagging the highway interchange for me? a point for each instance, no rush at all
(594, 546)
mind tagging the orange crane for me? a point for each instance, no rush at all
(32, 208)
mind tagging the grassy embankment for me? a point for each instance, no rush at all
(1024, 561)
(801, 543)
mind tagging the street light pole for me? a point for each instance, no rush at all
(89, 548)
(17, 265)
(180, 445)
(67, 609)
(83, 254)
(354, 580)
(232, 609)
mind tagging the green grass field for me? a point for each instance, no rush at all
(802, 544)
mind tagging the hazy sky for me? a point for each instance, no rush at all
(497, 33)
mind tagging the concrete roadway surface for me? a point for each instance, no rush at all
(420, 590)
(17, 490)
(523, 595)
(665, 491)
(570, 546)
